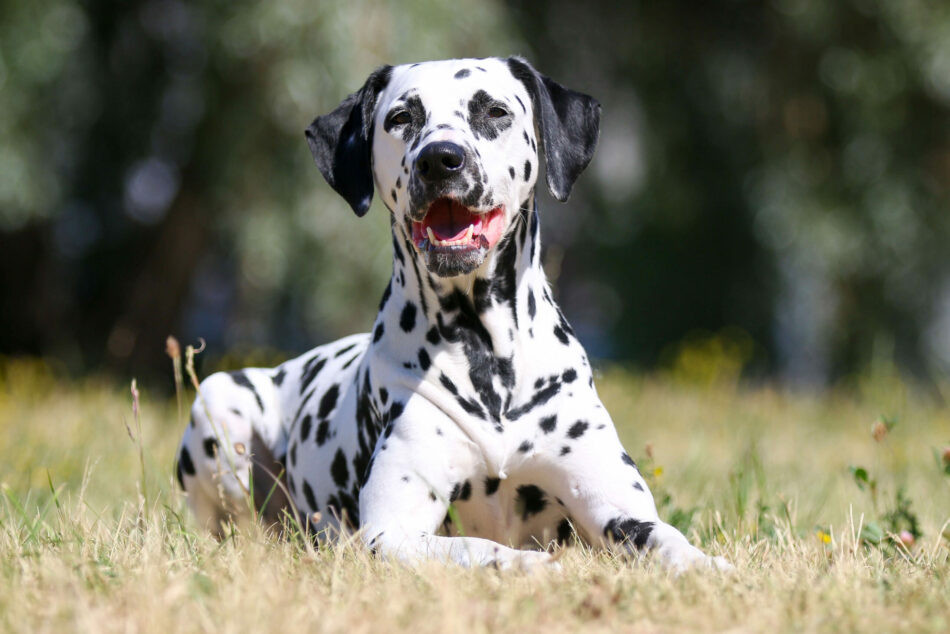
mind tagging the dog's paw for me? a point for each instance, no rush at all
(682, 557)
(526, 560)
(720, 564)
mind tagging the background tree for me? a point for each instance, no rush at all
(774, 173)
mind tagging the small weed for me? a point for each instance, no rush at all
(895, 527)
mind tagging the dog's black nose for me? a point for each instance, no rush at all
(439, 161)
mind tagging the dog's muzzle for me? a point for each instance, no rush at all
(453, 238)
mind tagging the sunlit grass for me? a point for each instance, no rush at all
(778, 483)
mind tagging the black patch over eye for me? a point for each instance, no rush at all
(486, 116)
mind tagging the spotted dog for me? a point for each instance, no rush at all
(471, 392)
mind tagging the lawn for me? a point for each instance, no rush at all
(833, 506)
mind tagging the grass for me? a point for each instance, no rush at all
(783, 485)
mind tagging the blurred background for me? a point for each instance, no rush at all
(772, 183)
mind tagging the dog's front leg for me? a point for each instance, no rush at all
(420, 459)
(609, 501)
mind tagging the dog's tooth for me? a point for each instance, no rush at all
(432, 237)
(468, 234)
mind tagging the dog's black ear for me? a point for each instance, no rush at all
(569, 122)
(341, 143)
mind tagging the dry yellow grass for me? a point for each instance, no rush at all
(767, 473)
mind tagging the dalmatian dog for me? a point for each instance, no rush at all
(465, 426)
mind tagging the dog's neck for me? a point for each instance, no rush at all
(488, 316)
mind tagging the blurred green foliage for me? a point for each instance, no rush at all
(779, 171)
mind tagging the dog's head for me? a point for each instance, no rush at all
(453, 148)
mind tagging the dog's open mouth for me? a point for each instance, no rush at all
(449, 226)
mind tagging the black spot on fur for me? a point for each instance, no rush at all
(328, 402)
(491, 485)
(311, 498)
(433, 336)
(471, 407)
(278, 378)
(569, 376)
(395, 411)
(339, 470)
(521, 103)
(383, 395)
(527, 170)
(346, 506)
(531, 501)
(577, 429)
(378, 332)
(302, 405)
(462, 74)
(561, 335)
(386, 293)
(448, 385)
(466, 491)
(305, 427)
(184, 460)
(525, 447)
(397, 251)
(511, 172)
(540, 397)
(480, 297)
(415, 269)
(565, 450)
(293, 455)
(210, 446)
(548, 423)
(637, 486)
(504, 284)
(344, 350)
(350, 361)
(627, 460)
(535, 230)
(626, 530)
(407, 320)
(310, 371)
(240, 378)
(323, 431)
(424, 360)
(532, 305)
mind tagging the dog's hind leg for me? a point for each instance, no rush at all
(228, 461)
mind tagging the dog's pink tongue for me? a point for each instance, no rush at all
(448, 219)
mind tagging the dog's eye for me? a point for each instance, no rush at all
(497, 112)
(401, 117)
